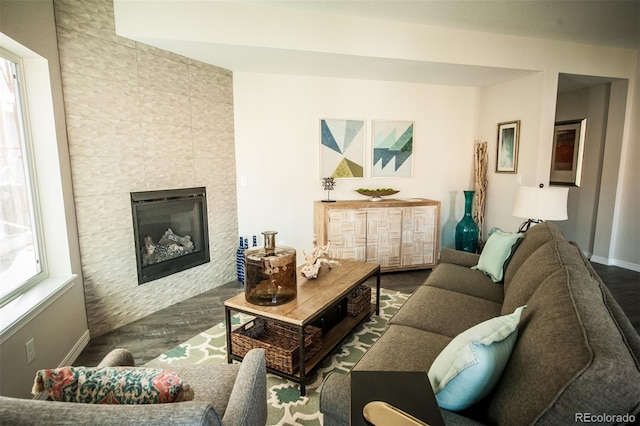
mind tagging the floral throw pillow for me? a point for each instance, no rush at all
(112, 385)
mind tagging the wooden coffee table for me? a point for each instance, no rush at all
(315, 297)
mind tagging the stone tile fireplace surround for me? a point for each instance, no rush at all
(141, 119)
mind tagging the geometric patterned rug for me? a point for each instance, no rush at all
(285, 405)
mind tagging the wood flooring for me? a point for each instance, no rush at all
(155, 334)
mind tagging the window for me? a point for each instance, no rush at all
(20, 241)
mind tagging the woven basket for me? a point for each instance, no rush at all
(280, 343)
(358, 300)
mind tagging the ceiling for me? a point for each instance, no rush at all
(612, 23)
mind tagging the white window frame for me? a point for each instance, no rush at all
(55, 205)
(31, 176)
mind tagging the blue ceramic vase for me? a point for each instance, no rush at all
(242, 246)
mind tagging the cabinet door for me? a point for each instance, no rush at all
(384, 233)
(418, 235)
(347, 233)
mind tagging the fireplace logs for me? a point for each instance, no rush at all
(170, 246)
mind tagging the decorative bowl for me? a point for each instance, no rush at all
(376, 194)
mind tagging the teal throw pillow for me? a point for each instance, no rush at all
(470, 365)
(497, 251)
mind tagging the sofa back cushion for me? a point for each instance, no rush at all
(533, 271)
(544, 261)
(570, 357)
(533, 239)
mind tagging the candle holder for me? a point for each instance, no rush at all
(328, 183)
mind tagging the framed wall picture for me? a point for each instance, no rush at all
(507, 151)
(568, 150)
(342, 148)
(392, 146)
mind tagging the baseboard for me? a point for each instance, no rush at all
(73, 354)
(626, 265)
(599, 259)
(77, 349)
(616, 262)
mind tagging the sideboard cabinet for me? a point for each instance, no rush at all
(397, 234)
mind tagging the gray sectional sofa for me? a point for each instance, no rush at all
(576, 357)
(225, 394)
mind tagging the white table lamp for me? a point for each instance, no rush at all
(538, 204)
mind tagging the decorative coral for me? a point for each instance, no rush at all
(314, 262)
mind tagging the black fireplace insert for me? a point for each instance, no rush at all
(170, 231)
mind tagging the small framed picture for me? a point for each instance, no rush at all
(507, 151)
(568, 150)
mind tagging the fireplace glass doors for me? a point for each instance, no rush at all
(170, 231)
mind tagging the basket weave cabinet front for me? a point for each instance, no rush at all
(397, 234)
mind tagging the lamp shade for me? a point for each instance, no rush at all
(541, 203)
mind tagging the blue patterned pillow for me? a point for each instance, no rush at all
(112, 385)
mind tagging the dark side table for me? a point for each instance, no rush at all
(410, 391)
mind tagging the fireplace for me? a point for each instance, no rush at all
(170, 231)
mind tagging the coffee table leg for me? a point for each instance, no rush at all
(227, 321)
(303, 376)
(378, 293)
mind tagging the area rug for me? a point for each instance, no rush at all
(285, 404)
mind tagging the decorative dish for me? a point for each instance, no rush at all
(377, 194)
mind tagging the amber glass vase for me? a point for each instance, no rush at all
(270, 273)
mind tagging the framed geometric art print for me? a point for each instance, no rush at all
(342, 148)
(392, 145)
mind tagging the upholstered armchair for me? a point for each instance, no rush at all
(225, 394)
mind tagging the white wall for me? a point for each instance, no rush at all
(531, 99)
(626, 231)
(277, 122)
(141, 119)
(500, 103)
(277, 151)
(582, 205)
(220, 31)
(58, 324)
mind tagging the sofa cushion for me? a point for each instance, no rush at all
(497, 252)
(471, 364)
(464, 280)
(570, 357)
(445, 312)
(547, 259)
(403, 348)
(112, 385)
(535, 237)
(534, 270)
(458, 257)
